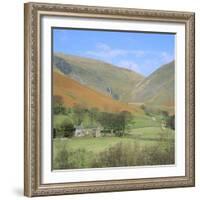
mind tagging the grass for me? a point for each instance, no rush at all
(99, 75)
(91, 144)
(152, 133)
(139, 121)
(85, 152)
(73, 92)
(70, 95)
(145, 121)
(157, 88)
(144, 143)
(58, 119)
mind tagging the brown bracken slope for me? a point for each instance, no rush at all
(73, 93)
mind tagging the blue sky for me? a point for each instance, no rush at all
(141, 52)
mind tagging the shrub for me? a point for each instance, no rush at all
(71, 159)
(119, 155)
(123, 154)
(68, 129)
(158, 155)
(171, 122)
(54, 132)
(143, 107)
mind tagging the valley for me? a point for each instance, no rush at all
(101, 111)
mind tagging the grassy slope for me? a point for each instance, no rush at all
(76, 93)
(154, 89)
(98, 75)
(158, 88)
(147, 135)
(138, 138)
(93, 144)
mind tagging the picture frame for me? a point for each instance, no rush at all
(34, 93)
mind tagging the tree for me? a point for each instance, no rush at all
(121, 122)
(54, 132)
(171, 122)
(164, 113)
(143, 107)
(79, 112)
(58, 105)
(67, 128)
(93, 115)
(115, 122)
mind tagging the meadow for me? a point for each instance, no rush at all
(108, 116)
(145, 144)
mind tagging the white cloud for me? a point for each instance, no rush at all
(129, 64)
(104, 51)
(128, 58)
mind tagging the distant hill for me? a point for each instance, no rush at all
(158, 88)
(118, 83)
(106, 78)
(73, 93)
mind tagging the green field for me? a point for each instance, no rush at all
(106, 115)
(142, 146)
(139, 121)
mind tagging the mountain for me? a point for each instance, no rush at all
(104, 77)
(158, 88)
(73, 93)
(118, 83)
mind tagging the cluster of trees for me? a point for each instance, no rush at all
(111, 123)
(66, 129)
(169, 119)
(116, 123)
(171, 122)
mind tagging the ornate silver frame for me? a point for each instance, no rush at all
(32, 159)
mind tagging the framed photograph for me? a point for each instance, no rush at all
(109, 99)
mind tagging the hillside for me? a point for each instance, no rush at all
(158, 88)
(74, 93)
(103, 77)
